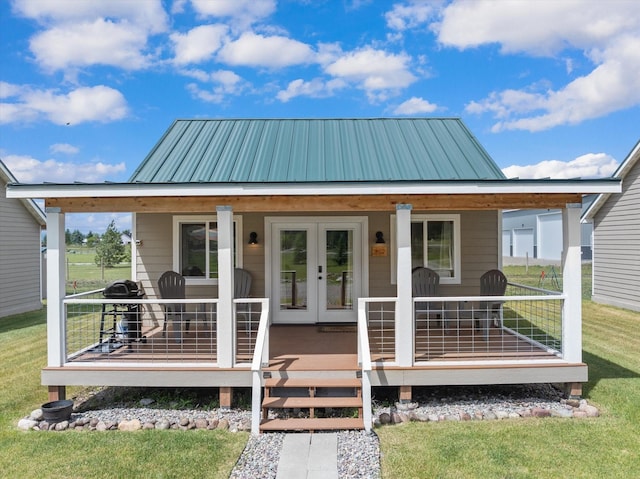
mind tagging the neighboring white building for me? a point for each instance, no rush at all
(538, 233)
(21, 223)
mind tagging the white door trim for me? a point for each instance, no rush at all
(272, 222)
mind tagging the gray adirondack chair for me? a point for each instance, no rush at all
(426, 282)
(171, 285)
(492, 283)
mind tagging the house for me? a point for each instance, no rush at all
(21, 223)
(329, 217)
(616, 238)
(537, 234)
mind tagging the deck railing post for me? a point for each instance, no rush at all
(226, 321)
(572, 284)
(404, 305)
(56, 336)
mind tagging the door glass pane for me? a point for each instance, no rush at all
(293, 269)
(440, 247)
(417, 245)
(339, 274)
(213, 249)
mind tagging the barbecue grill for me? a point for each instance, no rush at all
(128, 314)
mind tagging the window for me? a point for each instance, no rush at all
(195, 248)
(435, 244)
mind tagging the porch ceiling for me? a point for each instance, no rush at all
(313, 203)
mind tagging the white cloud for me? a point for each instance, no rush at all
(316, 88)
(100, 42)
(537, 28)
(415, 106)
(241, 12)
(590, 165)
(606, 33)
(409, 15)
(27, 169)
(225, 83)
(379, 73)
(65, 148)
(101, 32)
(256, 50)
(198, 44)
(99, 103)
(610, 87)
(149, 14)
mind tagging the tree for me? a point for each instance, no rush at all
(110, 250)
(92, 239)
(76, 237)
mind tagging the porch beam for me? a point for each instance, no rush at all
(572, 283)
(55, 287)
(404, 305)
(225, 320)
(314, 203)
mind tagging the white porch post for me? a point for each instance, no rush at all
(56, 338)
(572, 283)
(404, 304)
(226, 320)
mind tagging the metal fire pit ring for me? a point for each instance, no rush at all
(57, 411)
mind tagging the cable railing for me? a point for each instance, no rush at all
(525, 323)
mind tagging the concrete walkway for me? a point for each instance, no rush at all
(309, 456)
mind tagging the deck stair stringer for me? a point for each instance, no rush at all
(320, 402)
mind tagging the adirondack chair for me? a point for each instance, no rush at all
(426, 282)
(492, 283)
(171, 285)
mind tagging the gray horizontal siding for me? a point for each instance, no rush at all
(19, 258)
(616, 267)
(479, 230)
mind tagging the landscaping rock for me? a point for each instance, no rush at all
(132, 425)
(62, 426)
(26, 424)
(36, 415)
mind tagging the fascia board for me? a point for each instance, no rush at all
(116, 190)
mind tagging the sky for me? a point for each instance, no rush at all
(551, 88)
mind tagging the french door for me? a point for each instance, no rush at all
(316, 269)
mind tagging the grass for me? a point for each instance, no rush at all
(608, 446)
(71, 454)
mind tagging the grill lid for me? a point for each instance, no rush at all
(121, 288)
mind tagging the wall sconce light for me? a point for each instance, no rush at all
(379, 237)
(253, 238)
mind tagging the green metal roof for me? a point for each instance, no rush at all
(316, 150)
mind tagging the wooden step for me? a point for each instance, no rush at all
(313, 382)
(311, 402)
(311, 424)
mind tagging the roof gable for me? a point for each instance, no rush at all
(624, 168)
(317, 151)
(32, 207)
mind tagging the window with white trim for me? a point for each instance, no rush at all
(435, 244)
(195, 247)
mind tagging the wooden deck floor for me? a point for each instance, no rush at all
(316, 347)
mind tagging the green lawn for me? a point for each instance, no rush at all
(71, 454)
(607, 447)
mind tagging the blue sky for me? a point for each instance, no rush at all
(550, 88)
